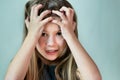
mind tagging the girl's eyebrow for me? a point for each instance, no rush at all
(43, 31)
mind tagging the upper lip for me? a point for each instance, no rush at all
(51, 50)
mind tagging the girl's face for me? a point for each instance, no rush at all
(51, 43)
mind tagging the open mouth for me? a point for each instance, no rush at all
(51, 52)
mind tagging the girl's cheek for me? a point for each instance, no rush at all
(60, 41)
(60, 37)
(42, 40)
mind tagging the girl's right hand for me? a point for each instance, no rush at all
(23, 57)
(36, 24)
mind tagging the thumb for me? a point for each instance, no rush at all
(74, 25)
(27, 22)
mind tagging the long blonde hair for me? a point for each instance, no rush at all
(65, 65)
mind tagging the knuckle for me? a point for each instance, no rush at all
(72, 10)
(36, 8)
(69, 10)
(33, 7)
(62, 14)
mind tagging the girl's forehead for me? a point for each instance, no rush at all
(51, 27)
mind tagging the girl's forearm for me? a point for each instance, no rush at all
(19, 65)
(86, 66)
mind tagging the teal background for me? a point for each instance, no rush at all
(99, 29)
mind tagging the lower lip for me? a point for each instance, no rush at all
(52, 53)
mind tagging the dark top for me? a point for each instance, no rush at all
(49, 73)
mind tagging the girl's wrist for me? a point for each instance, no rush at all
(31, 39)
(69, 35)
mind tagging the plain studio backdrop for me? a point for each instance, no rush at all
(99, 29)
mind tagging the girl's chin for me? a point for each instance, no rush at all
(51, 58)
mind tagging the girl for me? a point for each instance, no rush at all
(51, 49)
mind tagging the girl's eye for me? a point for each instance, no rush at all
(59, 33)
(44, 34)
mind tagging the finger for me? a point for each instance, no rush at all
(58, 22)
(61, 14)
(27, 22)
(32, 11)
(46, 20)
(36, 9)
(74, 25)
(68, 11)
(43, 14)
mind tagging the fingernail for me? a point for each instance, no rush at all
(40, 4)
(53, 10)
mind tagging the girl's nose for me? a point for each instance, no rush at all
(50, 41)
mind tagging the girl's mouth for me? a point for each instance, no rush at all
(51, 52)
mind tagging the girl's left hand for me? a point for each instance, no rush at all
(67, 24)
